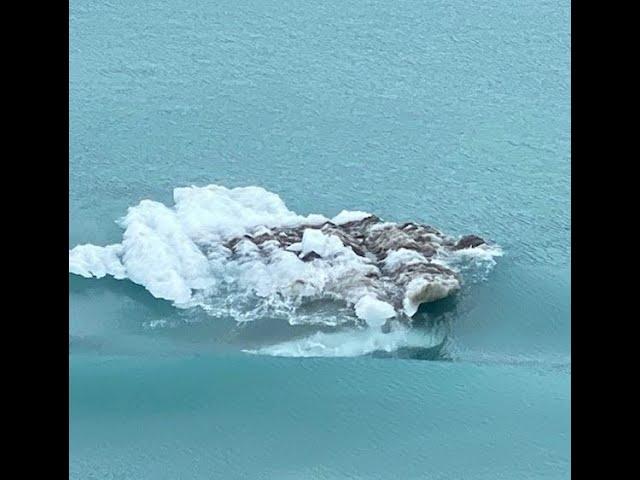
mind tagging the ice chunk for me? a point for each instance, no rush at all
(373, 311)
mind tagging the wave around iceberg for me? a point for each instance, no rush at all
(241, 253)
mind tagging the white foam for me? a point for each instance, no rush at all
(93, 261)
(484, 252)
(350, 344)
(476, 262)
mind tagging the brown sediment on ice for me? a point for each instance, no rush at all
(404, 259)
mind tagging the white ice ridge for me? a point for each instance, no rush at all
(346, 216)
(241, 251)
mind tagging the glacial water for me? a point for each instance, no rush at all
(453, 114)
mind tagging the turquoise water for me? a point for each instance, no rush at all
(455, 114)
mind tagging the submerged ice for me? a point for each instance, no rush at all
(242, 252)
